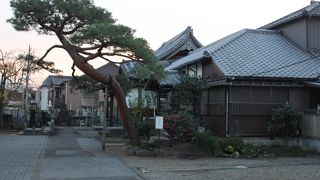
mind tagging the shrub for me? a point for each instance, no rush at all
(231, 145)
(144, 129)
(180, 127)
(209, 143)
(286, 120)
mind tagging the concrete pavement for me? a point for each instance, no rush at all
(67, 155)
(70, 155)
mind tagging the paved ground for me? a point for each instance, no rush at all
(222, 168)
(70, 154)
(19, 156)
(75, 154)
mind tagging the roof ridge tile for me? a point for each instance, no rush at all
(305, 11)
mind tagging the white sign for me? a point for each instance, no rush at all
(159, 122)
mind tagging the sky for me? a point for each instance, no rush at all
(156, 21)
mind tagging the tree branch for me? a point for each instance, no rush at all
(46, 65)
(95, 55)
(73, 30)
(109, 60)
(121, 55)
(81, 85)
(88, 48)
(47, 52)
(63, 23)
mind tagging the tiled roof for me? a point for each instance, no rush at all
(175, 44)
(312, 10)
(55, 80)
(109, 69)
(172, 78)
(200, 53)
(257, 53)
(127, 67)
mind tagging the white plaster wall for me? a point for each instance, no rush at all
(133, 96)
(44, 102)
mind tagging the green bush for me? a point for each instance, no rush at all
(144, 129)
(235, 142)
(285, 121)
(209, 143)
(215, 147)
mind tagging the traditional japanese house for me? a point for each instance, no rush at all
(250, 72)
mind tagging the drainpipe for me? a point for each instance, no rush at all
(227, 101)
(227, 110)
(66, 98)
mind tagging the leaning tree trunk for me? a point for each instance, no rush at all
(86, 68)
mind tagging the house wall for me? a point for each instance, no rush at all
(304, 32)
(311, 125)
(146, 95)
(211, 71)
(44, 99)
(296, 31)
(314, 97)
(313, 33)
(213, 109)
(249, 107)
(75, 100)
(194, 70)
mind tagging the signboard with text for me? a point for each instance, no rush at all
(159, 122)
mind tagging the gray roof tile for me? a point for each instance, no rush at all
(175, 43)
(55, 80)
(172, 78)
(311, 10)
(257, 53)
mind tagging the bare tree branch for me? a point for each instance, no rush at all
(50, 49)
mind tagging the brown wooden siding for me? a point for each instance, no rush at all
(249, 107)
(300, 97)
(314, 97)
(204, 102)
(296, 31)
(248, 125)
(215, 123)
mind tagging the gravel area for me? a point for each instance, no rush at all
(221, 168)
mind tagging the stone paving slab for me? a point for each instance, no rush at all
(19, 156)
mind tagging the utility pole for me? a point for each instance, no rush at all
(92, 115)
(104, 118)
(26, 104)
(1, 84)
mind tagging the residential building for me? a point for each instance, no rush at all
(252, 71)
(50, 92)
(175, 48)
(178, 46)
